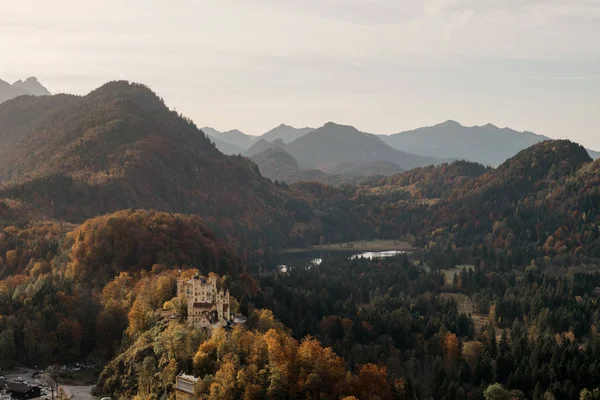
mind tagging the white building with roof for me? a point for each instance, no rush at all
(184, 386)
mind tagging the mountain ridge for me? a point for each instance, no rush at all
(76, 157)
(29, 87)
(486, 144)
(450, 140)
(286, 133)
(333, 143)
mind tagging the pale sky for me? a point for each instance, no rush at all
(383, 66)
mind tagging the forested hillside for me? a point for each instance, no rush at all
(107, 199)
(71, 292)
(120, 147)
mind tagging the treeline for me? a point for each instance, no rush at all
(539, 336)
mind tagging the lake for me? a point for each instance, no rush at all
(285, 261)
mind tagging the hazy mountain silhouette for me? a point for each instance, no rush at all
(276, 164)
(378, 168)
(30, 86)
(234, 137)
(224, 147)
(286, 133)
(261, 145)
(486, 144)
(333, 144)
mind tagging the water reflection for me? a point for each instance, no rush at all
(308, 260)
(377, 254)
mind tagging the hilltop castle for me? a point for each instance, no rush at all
(208, 306)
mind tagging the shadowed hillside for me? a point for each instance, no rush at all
(121, 147)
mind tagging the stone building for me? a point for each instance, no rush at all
(208, 306)
(184, 387)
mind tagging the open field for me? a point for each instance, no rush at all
(465, 305)
(449, 273)
(361, 245)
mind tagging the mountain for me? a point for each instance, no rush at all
(226, 148)
(524, 200)
(119, 147)
(333, 144)
(30, 86)
(262, 144)
(486, 144)
(286, 133)
(219, 141)
(276, 164)
(594, 154)
(235, 137)
(238, 138)
(432, 182)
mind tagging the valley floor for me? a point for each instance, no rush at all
(360, 245)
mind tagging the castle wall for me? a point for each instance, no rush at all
(205, 301)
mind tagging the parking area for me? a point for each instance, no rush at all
(22, 378)
(33, 377)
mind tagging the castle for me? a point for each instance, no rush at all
(208, 306)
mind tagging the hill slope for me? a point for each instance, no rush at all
(274, 163)
(262, 144)
(380, 168)
(537, 195)
(486, 144)
(226, 148)
(121, 147)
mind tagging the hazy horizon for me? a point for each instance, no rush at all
(381, 66)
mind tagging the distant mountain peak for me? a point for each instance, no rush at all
(234, 131)
(30, 86)
(450, 123)
(30, 80)
(286, 133)
(333, 125)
